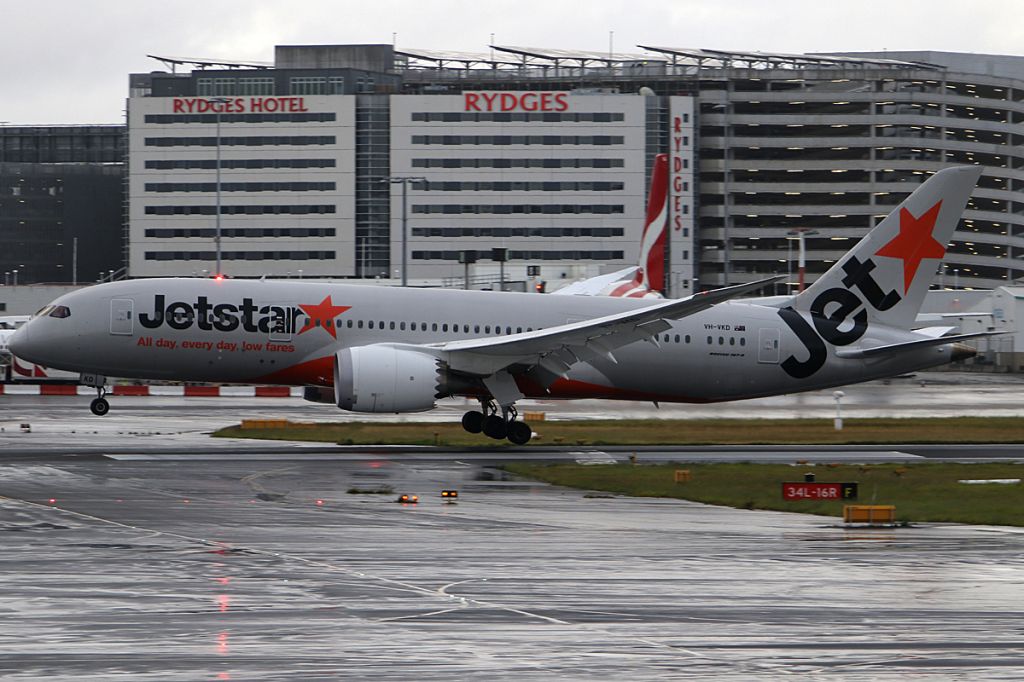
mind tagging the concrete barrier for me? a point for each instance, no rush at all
(157, 391)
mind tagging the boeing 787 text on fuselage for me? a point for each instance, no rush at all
(380, 349)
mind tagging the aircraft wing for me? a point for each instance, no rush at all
(872, 351)
(549, 353)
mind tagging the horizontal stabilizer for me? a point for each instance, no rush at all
(909, 345)
(934, 332)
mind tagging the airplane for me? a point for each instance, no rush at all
(378, 349)
(9, 322)
(646, 279)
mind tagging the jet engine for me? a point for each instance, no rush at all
(383, 378)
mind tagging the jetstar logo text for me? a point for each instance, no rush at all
(845, 323)
(839, 315)
(239, 105)
(224, 317)
(516, 101)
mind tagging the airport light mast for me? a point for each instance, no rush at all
(219, 101)
(801, 262)
(404, 180)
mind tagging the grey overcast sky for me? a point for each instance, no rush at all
(67, 61)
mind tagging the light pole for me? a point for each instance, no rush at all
(801, 262)
(500, 255)
(219, 102)
(838, 421)
(405, 180)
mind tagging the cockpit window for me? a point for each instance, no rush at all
(60, 311)
(44, 311)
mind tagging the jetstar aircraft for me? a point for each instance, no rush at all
(647, 278)
(378, 349)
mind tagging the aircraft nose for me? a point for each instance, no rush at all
(19, 340)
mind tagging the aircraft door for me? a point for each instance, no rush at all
(768, 346)
(282, 321)
(122, 316)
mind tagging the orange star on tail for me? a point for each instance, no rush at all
(914, 243)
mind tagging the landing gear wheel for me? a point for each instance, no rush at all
(473, 421)
(99, 406)
(519, 433)
(495, 427)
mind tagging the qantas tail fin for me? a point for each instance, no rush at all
(887, 274)
(652, 243)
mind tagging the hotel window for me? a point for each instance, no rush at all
(215, 87)
(336, 85)
(255, 86)
(308, 85)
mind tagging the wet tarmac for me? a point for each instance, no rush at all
(220, 569)
(153, 554)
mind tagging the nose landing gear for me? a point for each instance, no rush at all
(498, 427)
(99, 405)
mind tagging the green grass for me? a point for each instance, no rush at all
(663, 432)
(921, 492)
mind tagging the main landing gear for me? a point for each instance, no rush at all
(496, 426)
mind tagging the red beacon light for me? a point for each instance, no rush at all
(219, 277)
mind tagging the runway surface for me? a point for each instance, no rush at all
(137, 548)
(220, 569)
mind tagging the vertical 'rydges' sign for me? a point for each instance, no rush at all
(516, 101)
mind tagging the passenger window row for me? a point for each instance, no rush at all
(440, 327)
(731, 342)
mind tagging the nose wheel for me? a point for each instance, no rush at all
(99, 405)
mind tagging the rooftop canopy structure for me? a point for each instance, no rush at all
(201, 63)
(441, 59)
(706, 58)
(537, 56)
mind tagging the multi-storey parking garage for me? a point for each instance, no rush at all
(832, 152)
(544, 152)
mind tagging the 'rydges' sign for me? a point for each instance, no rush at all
(516, 101)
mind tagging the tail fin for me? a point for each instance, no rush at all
(652, 243)
(888, 272)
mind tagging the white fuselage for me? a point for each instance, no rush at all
(287, 332)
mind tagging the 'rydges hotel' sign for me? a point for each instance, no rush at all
(239, 105)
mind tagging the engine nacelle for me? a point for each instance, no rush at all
(382, 378)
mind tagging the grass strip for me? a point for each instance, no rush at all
(660, 432)
(927, 491)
